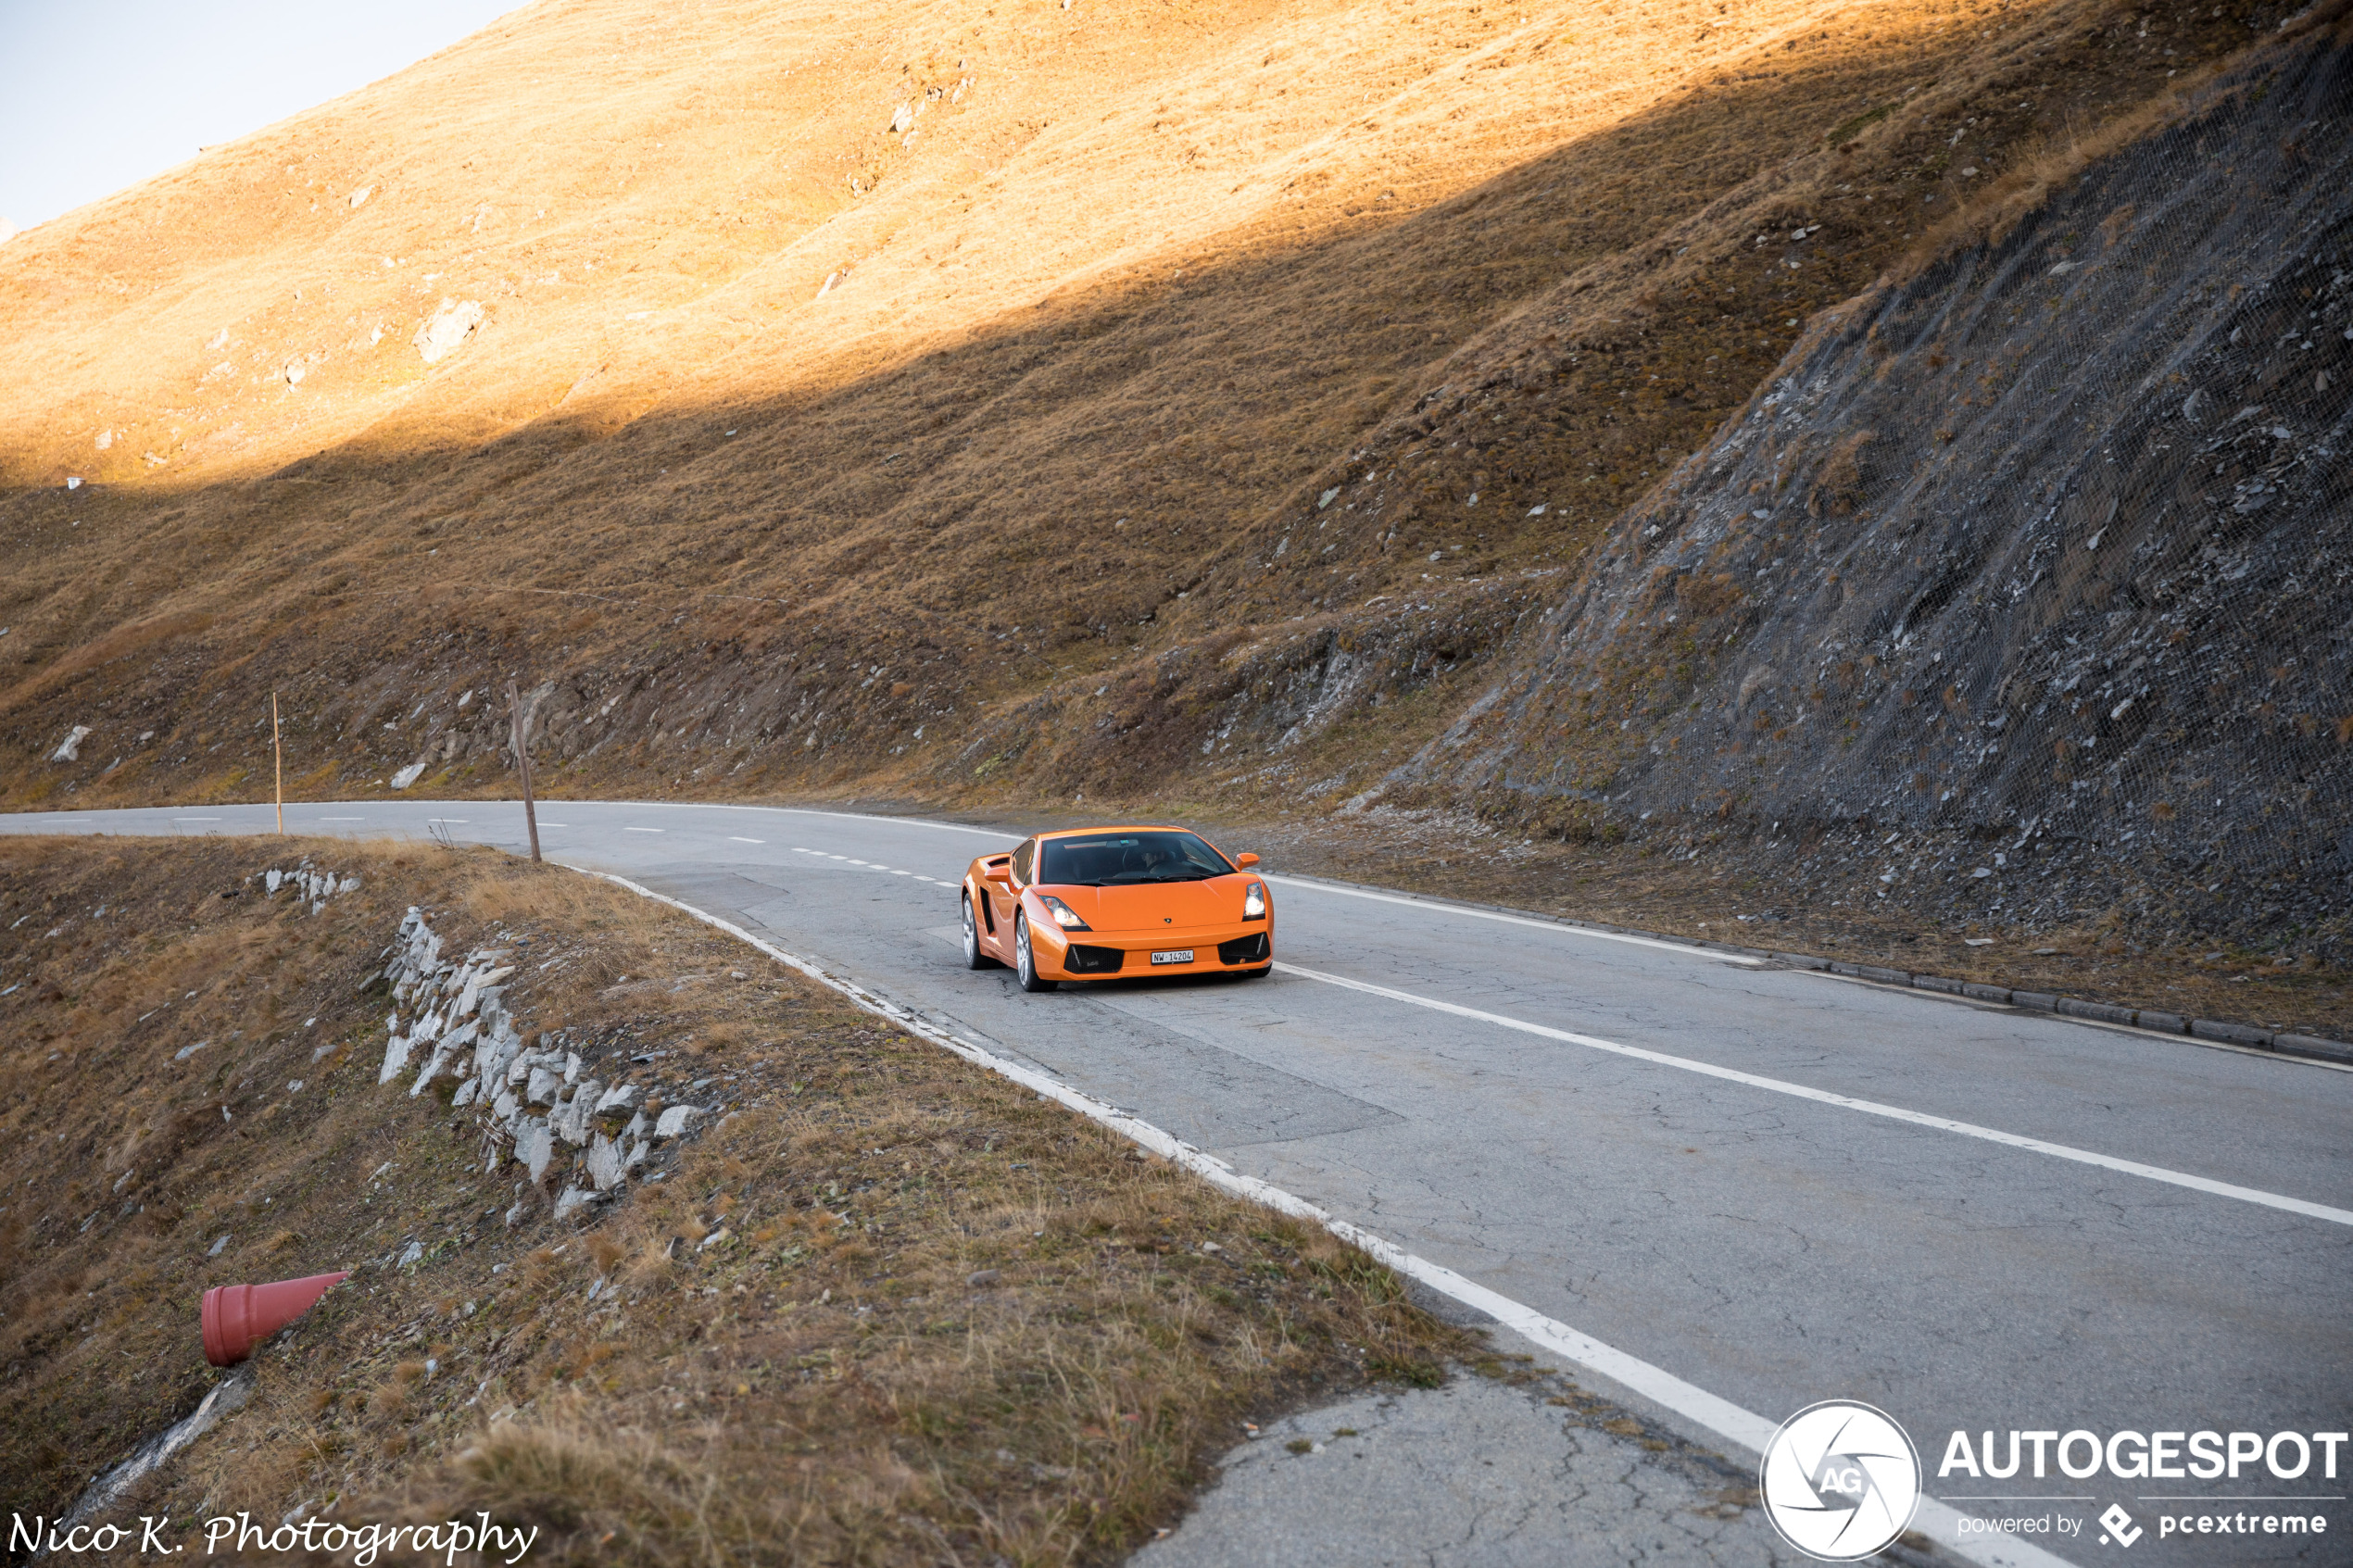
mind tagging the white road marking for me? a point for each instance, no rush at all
(555, 824)
(1570, 929)
(733, 839)
(1847, 1102)
(1738, 1426)
(327, 818)
(195, 819)
(645, 830)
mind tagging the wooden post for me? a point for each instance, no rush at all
(522, 763)
(278, 750)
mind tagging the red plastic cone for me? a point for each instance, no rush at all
(238, 1317)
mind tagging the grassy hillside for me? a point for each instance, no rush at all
(884, 1306)
(985, 401)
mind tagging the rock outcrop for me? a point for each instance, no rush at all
(2041, 555)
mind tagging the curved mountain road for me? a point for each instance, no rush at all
(1765, 1186)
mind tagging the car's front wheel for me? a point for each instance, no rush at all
(974, 956)
(1024, 961)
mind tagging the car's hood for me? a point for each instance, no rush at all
(1161, 906)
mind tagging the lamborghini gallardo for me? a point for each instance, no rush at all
(1117, 904)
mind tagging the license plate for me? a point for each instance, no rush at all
(1181, 955)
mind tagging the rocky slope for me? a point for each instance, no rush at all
(2022, 590)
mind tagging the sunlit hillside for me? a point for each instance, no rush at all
(961, 397)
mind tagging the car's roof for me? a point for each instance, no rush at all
(1080, 832)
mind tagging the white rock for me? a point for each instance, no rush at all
(675, 1120)
(407, 775)
(543, 1088)
(606, 1164)
(272, 879)
(74, 482)
(466, 1092)
(105, 439)
(505, 1106)
(534, 1146)
(572, 1200)
(70, 749)
(396, 1058)
(294, 373)
(362, 193)
(412, 1254)
(448, 330)
(903, 119)
(621, 1097)
(571, 1121)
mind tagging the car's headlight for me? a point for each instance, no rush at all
(1065, 916)
(1254, 902)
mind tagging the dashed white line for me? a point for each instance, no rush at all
(733, 839)
(1567, 927)
(1847, 1102)
(645, 830)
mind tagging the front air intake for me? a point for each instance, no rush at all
(1253, 948)
(1084, 959)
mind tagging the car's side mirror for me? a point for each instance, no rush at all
(1002, 874)
(1245, 862)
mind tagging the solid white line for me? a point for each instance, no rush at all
(1848, 1102)
(1740, 1427)
(1562, 926)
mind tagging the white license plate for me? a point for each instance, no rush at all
(1181, 955)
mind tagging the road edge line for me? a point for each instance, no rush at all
(1716, 1416)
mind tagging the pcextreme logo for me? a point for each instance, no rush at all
(1840, 1480)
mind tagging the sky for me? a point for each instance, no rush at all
(97, 94)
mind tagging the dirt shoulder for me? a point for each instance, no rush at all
(885, 1307)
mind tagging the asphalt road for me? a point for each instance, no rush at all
(2030, 1222)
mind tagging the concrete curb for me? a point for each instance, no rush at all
(2247, 1036)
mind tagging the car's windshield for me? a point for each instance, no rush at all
(1111, 859)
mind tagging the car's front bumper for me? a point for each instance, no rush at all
(1086, 955)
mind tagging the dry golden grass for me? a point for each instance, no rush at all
(891, 1309)
(1104, 331)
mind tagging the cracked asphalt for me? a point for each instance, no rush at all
(1481, 1471)
(1771, 1249)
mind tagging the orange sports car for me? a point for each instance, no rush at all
(1115, 903)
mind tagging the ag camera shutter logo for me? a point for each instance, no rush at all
(1840, 1480)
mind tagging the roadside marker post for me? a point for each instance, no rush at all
(278, 756)
(522, 763)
